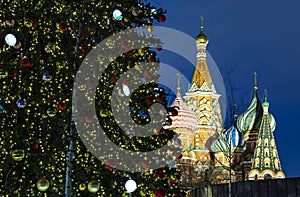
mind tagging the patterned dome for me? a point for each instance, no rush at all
(186, 118)
(251, 118)
(229, 138)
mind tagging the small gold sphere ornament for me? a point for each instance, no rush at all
(51, 112)
(82, 187)
(18, 155)
(43, 185)
(27, 23)
(93, 186)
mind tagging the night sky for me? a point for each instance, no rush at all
(260, 36)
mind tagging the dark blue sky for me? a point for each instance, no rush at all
(260, 36)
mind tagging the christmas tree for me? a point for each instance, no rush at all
(43, 44)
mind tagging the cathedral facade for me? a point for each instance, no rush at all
(211, 154)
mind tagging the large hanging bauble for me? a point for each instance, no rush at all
(18, 154)
(82, 187)
(10, 39)
(93, 186)
(130, 186)
(43, 185)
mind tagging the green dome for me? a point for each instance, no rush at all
(251, 118)
(265, 104)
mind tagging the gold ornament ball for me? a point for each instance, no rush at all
(51, 112)
(18, 155)
(27, 23)
(43, 185)
(82, 187)
(93, 186)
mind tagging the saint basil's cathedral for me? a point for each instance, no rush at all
(211, 154)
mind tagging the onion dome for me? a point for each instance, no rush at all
(186, 118)
(220, 144)
(228, 140)
(272, 121)
(234, 137)
(251, 118)
(201, 38)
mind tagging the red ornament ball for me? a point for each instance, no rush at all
(149, 100)
(33, 25)
(144, 164)
(35, 146)
(128, 52)
(111, 164)
(159, 174)
(61, 105)
(25, 62)
(126, 82)
(148, 74)
(113, 79)
(90, 85)
(174, 182)
(152, 59)
(162, 18)
(159, 99)
(159, 47)
(178, 195)
(88, 118)
(83, 48)
(63, 27)
(122, 22)
(160, 193)
(124, 44)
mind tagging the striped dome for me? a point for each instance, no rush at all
(251, 118)
(229, 138)
(272, 122)
(186, 118)
(235, 136)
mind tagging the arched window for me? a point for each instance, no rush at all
(267, 177)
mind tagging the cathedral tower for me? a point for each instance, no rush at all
(248, 123)
(203, 100)
(266, 163)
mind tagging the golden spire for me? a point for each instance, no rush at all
(202, 38)
(178, 83)
(255, 81)
(202, 23)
